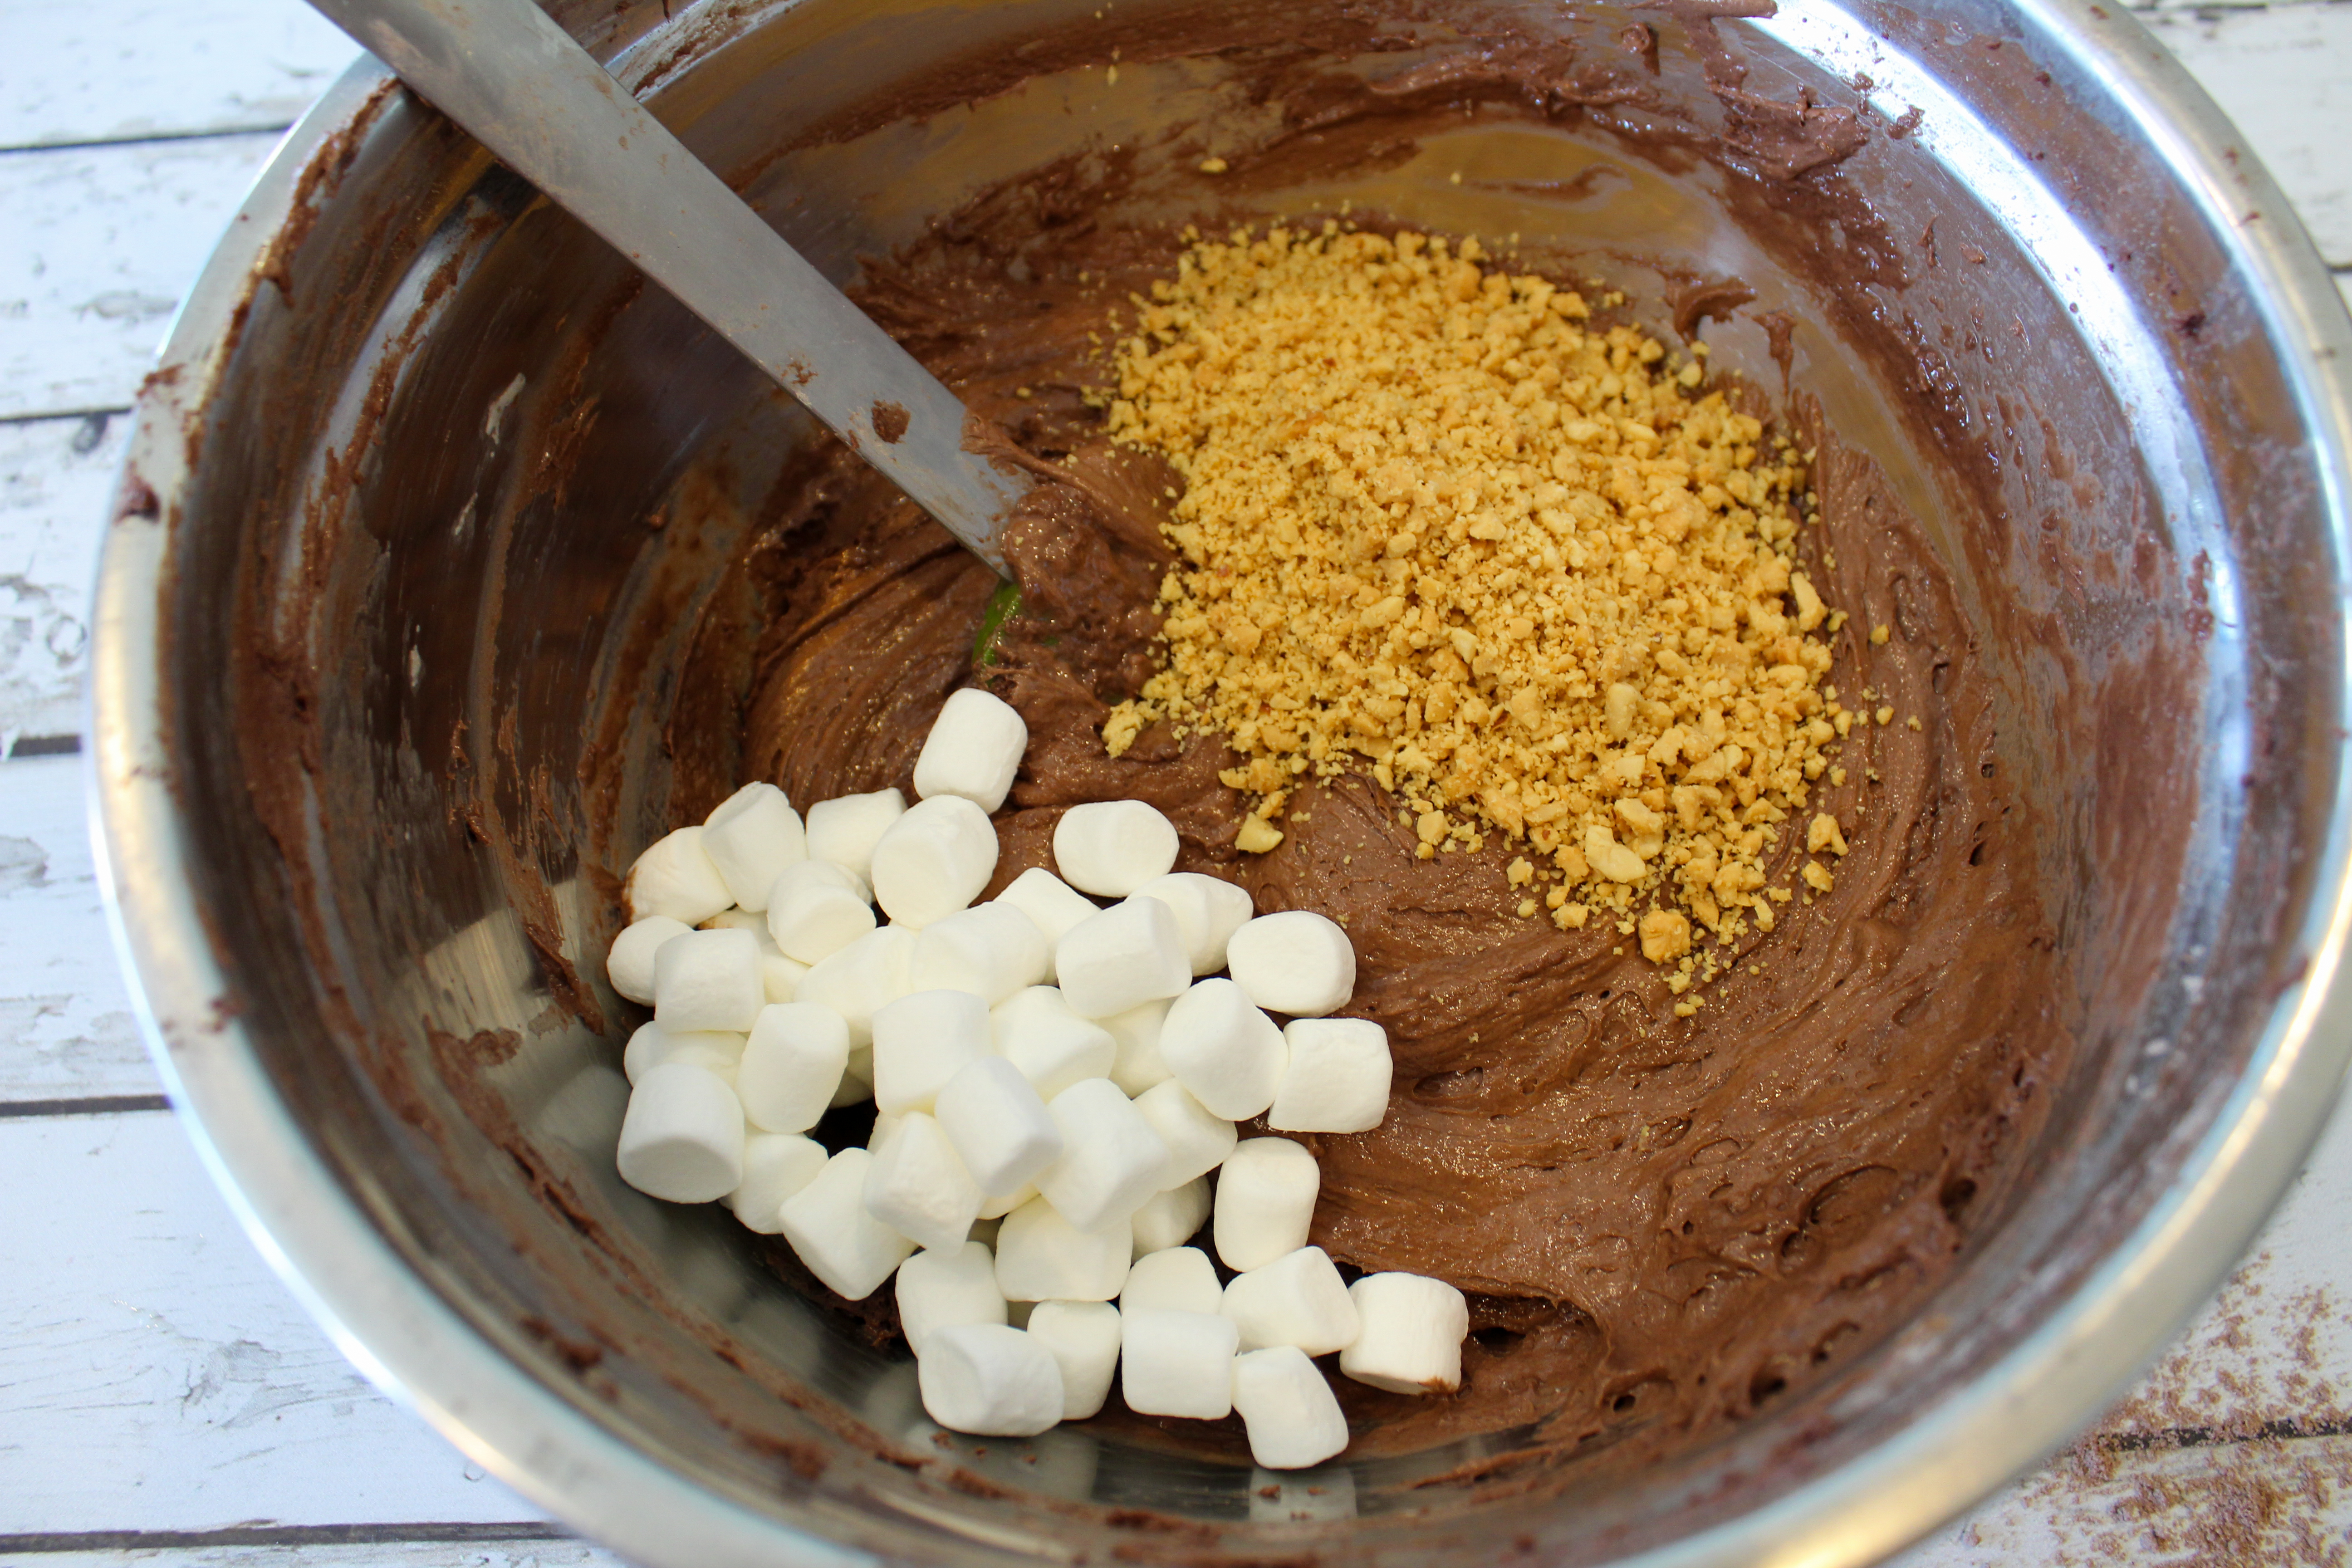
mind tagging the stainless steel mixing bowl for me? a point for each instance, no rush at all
(427, 496)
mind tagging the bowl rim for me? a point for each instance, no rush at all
(420, 1351)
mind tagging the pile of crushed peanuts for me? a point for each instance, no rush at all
(1530, 571)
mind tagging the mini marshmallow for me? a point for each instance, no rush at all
(1054, 1048)
(719, 1051)
(1413, 1327)
(793, 1061)
(708, 980)
(867, 975)
(1208, 911)
(1295, 961)
(1129, 954)
(1053, 904)
(1176, 1364)
(857, 1079)
(674, 876)
(1197, 1139)
(815, 909)
(1173, 1279)
(1111, 847)
(629, 965)
(1084, 1338)
(934, 860)
(1138, 1065)
(752, 837)
(922, 1040)
(1171, 1218)
(826, 1223)
(990, 949)
(682, 1137)
(1337, 1077)
(1111, 1159)
(1224, 1049)
(736, 919)
(991, 1380)
(1292, 1416)
(846, 831)
(994, 1208)
(780, 976)
(1040, 1257)
(1265, 1201)
(999, 1125)
(939, 1289)
(775, 1167)
(1297, 1299)
(973, 749)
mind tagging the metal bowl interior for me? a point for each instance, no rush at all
(388, 653)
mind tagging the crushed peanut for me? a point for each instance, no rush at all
(1440, 525)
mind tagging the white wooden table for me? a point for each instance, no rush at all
(161, 1398)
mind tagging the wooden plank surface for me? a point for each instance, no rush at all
(136, 70)
(99, 247)
(155, 1376)
(55, 479)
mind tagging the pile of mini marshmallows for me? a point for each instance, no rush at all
(1053, 1082)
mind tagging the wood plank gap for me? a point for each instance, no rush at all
(88, 1105)
(276, 1535)
(2280, 1431)
(111, 411)
(259, 128)
(46, 746)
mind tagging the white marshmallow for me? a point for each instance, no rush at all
(1111, 1159)
(1084, 1338)
(1111, 847)
(973, 749)
(1197, 1139)
(752, 837)
(1208, 911)
(1138, 1065)
(735, 920)
(780, 976)
(857, 1079)
(708, 980)
(793, 1061)
(845, 1247)
(1176, 1364)
(994, 1208)
(816, 909)
(991, 1380)
(1297, 1299)
(1413, 1327)
(920, 1041)
(1053, 904)
(1337, 1076)
(1173, 1218)
(990, 949)
(1292, 1416)
(934, 860)
(846, 831)
(867, 975)
(719, 1051)
(938, 1289)
(1295, 961)
(1265, 1201)
(1054, 1048)
(1173, 1279)
(1224, 1049)
(775, 1167)
(682, 1137)
(999, 1125)
(674, 876)
(1129, 954)
(1040, 1257)
(629, 964)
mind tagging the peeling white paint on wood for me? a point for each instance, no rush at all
(154, 1376)
(389, 1554)
(100, 245)
(65, 1024)
(55, 476)
(136, 69)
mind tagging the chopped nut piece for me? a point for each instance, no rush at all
(1817, 876)
(1520, 872)
(1212, 166)
(1258, 835)
(1878, 636)
(1885, 715)
(1666, 935)
(1570, 916)
(1824, 833)
(1526, 908)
